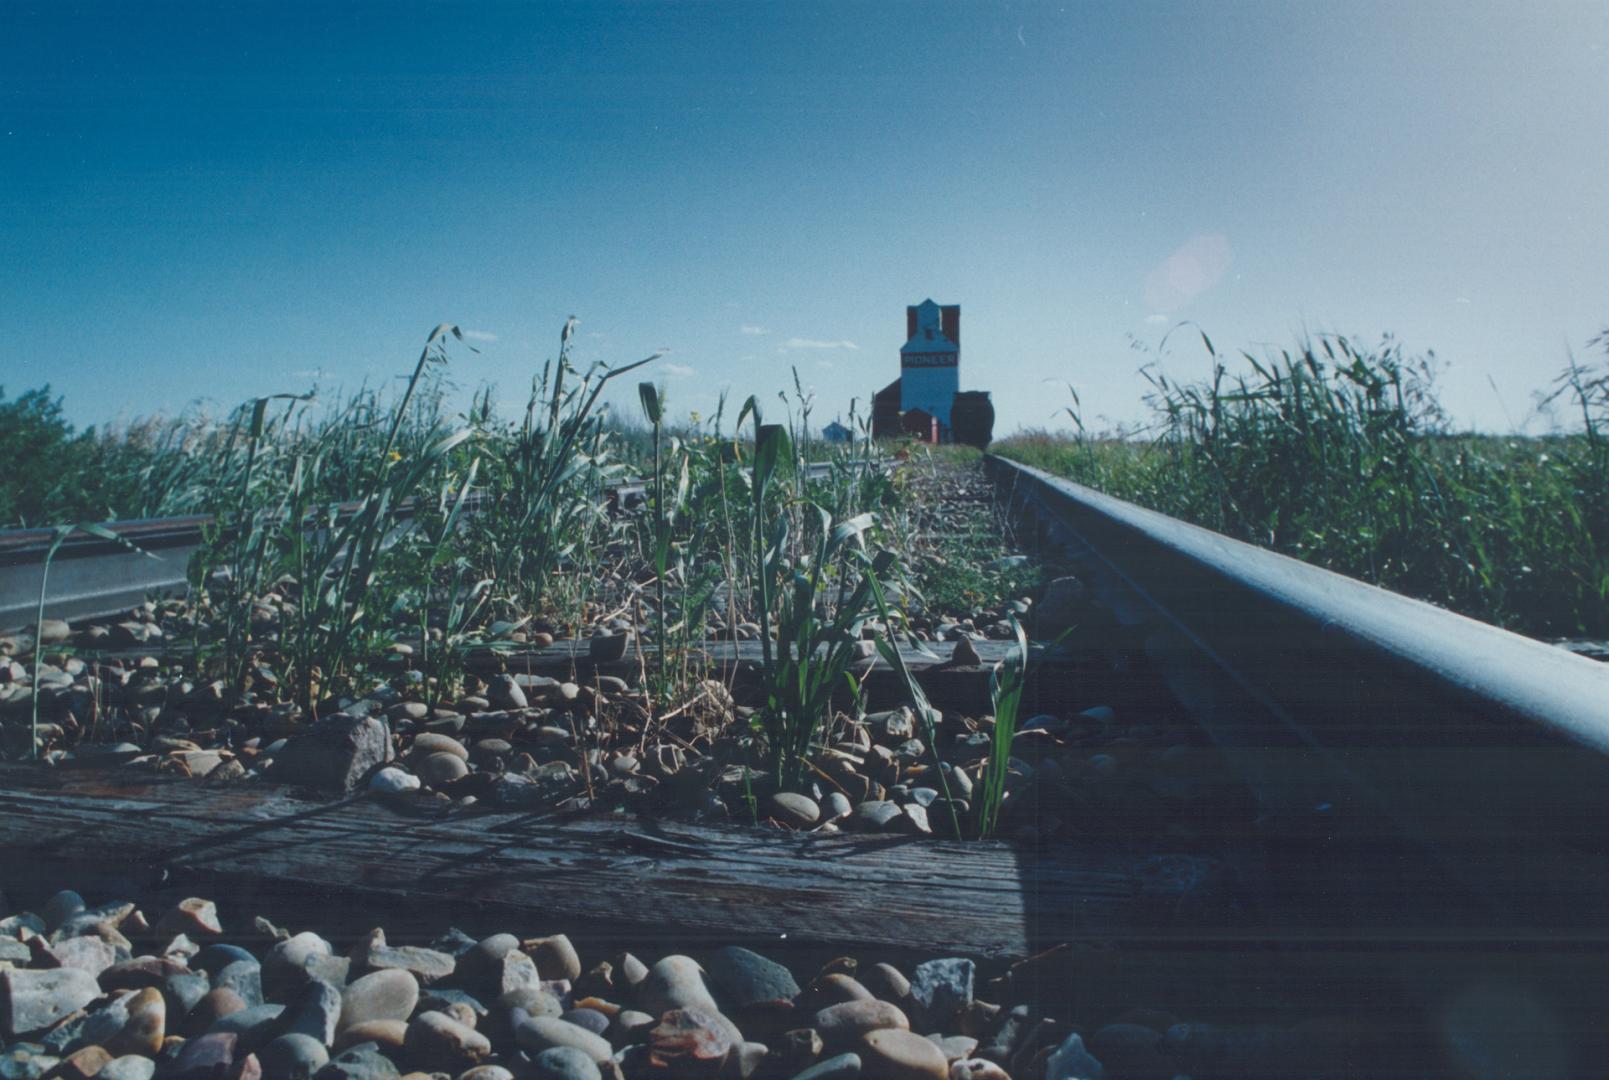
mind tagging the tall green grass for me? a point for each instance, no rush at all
(59, 536)
(1006, 684)
(353, 529)
(382, 528)
(1342, 456)
(349, 535)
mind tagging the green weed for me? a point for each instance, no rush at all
(1005, 691)
(1342, 456)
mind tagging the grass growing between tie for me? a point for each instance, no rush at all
(334, 537)
(1005, 691)
(385, 537)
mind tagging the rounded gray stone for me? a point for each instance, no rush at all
(564, 1063)
(746, 978)
(506, 693)
(285, 966)
(799, 811)
(538, 1033)
(484, 960)
(874, 814)
(842, 1067)
(128, 1067)
(486, 1072)
(61, 907)
(184, 992)
(314, 1012)
(213, 958)
(675, 982)
(431, 742)
(361, 1062)
(390, 994)
(253, 1026)
(293, 1057)
(836, 805)
(443, 768)
(590, 1019)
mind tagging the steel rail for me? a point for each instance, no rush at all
(1374, 728)
(91, 577)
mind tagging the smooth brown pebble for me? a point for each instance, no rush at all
(390, 1034)
(749, 1059)
(387, 994)
(436, 1038)
(540, 1033)
(608, 1008)
(893, 1054)
(676, 982)
(194, 917)
(799, 811)
(217, 1004)
(146, 1027)
(840, 1024)
(555, 957)
(887, 982)
(83, 1064)
(462, 1012)
(954, 1047)
(631, 969)
(432, 742)
(438, 769)
(487, 1072)
(838, 988)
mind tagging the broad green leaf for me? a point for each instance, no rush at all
(649, 394)
(771, 446)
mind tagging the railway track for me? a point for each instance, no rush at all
(1359, 715)
(1430, 800)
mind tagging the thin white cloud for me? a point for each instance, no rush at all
(309, 373)
(813, 343)
(681, 371)
(480, 335)
(1198, 265)
(1156, 320)
(756, 330)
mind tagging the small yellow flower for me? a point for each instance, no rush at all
(396, 455)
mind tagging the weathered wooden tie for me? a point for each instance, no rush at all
(592, 876)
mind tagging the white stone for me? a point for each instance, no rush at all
(393, 781)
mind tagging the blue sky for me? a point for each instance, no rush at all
(219, 201)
